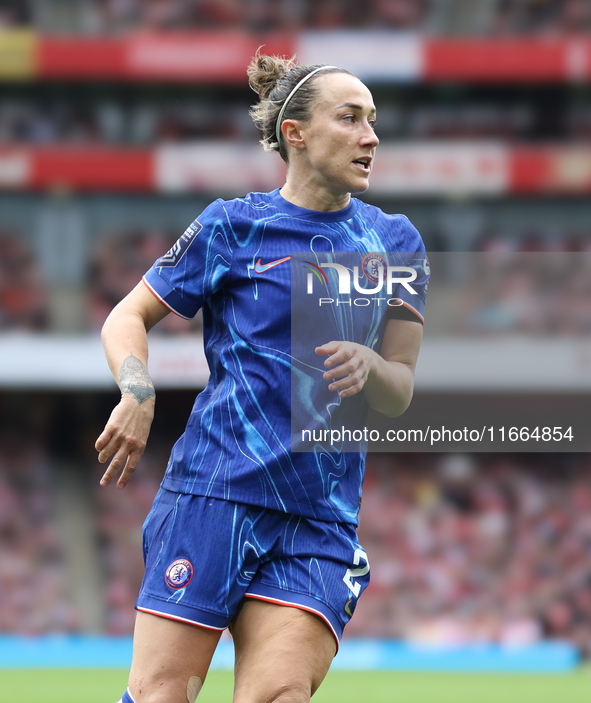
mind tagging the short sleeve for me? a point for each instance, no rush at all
(409, 296)
(197, 265)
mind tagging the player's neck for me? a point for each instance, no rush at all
(308, 195)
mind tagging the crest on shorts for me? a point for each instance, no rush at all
(179, 573)
(370, 264)
(179, 248)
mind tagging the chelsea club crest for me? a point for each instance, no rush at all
(370, 267)
(179, 574)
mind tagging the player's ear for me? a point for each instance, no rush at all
(293, 133)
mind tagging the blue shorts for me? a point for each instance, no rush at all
(204, 555)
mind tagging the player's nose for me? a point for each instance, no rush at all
(369, 137)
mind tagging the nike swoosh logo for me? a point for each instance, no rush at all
(261, 268)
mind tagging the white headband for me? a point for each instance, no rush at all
(289, 97)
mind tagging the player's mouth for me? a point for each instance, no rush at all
(364, 163)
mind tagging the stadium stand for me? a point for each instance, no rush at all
(142, 118)
(120, 16)
(490, 17)
(541, 17)
(478, 549)
(23, 301)
(508, 291)
(35, 596)
(117, 265)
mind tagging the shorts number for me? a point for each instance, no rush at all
(354, 587)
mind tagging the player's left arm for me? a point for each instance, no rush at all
(387, 378)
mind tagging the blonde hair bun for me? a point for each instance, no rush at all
(264, 72)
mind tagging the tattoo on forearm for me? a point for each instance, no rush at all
(136, 380)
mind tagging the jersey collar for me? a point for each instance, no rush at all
(316, 215)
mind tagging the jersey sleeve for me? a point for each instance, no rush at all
(196, 266)
(409, 297)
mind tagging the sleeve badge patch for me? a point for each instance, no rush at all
(179, 248)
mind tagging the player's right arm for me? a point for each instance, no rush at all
(124, 336)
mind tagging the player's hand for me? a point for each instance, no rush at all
(125, 436)
(348, 362)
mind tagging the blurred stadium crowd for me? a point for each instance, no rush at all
(34, 597)
(463, 549)
(547, 295)
(117, 264)
(23, 300)
(510, 290)
(143, 117)
(490, 17)
(487, 549)
(56, 119)
(116, 16)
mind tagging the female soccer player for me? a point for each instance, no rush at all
(243, 532)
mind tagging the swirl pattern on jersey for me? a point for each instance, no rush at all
(238, 269)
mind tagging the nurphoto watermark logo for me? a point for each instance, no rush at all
(374, 270)
(343, 297)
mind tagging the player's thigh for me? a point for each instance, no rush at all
(282, 653)
(167, 655)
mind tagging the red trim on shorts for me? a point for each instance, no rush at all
(287, 603)
(179, 619)
(149, 287)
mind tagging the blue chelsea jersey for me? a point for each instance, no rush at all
(234, 261)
